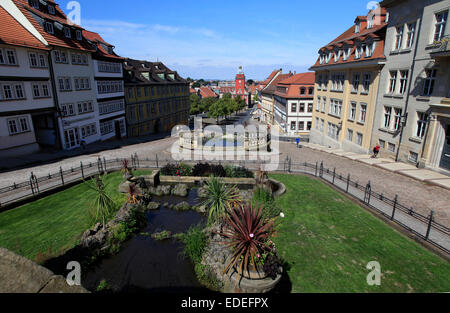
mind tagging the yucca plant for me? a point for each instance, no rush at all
(248, 234)
(103, 203)
(220, 199)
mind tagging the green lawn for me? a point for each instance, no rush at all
(328, 241)
(50, 226)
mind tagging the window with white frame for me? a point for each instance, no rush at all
(337, 55)
(60, 56)
(366, 83)
(11, 57)
(2, 57)
(387, 117)
(362, 113)
(79, 35)
(114, 106)
(352, 112)
(350, 135)
(18, 125)
(398, 38)
(422, 121)
(82, 83)
(346, 53)
(51, 9)
(413, 157)
(429, 82)
(411, 34)
(12, 91)
(392, 81)
(64, 83)
(79, 59)
(358, 53)
(357, 27)
(34, 4)
(37, 60)
(319, 100)
(397, 118)
(359, 139)
(88, 130)
(324, 104)
(391, 147)
(115, 86)
(85, 107)
(19, 91)
(109, 67)
(293, 125)
(7, 92)
(67, 32)
(335, 107)
(68, 110)
(370, 49)
(370, 22)
(355, 84)
(403, 81)
(48, 27)
(322, 125)
(441, 22)
(333, 131)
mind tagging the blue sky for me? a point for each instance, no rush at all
(211, 39)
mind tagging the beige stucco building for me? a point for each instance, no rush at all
(347, 78)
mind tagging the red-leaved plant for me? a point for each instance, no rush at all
(248, 233)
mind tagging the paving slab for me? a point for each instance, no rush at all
(358, 156)
(337, 151)
(423, 175)
(444, 183)
(376, 161)
(396, 166)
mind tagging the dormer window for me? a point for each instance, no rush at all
(370, 22)
(370, 49)
(79, 35)
(49, 27)
(110, 50)
(337, 55)
(346, 53)
(357, 27)
(34, 4)
(67, 32)
(51, 9)
(358, 52)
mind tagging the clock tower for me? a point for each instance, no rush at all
(240, 84)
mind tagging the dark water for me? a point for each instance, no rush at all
(146, 265)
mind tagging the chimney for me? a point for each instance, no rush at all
(295, 72)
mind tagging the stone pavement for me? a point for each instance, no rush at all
(424, 175)
(421, 190)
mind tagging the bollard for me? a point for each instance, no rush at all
(429, 226)
(62, 175)
(394, 207)
(348, 183)
(334, 175)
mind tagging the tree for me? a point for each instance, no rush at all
(196, 85)
(217, 109)
(195, 104)
(255, 97)
(206, 103)
(250, 82)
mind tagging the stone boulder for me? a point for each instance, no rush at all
(202, 192)
(124, 213)
(182, 206)
(154, 206)
(200, 208)
(180, 190)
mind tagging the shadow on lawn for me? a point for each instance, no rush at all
(285, 284)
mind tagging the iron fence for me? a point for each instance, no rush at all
(422, 226)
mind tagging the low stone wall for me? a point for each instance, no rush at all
(245, 183)
(20, 275)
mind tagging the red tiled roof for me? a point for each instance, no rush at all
(207, 92)
(271, 76)
(377, 32)
(53, 39)
(11, 30)
(223, 90)
(295, 83)
(96, 38)
(191, 90)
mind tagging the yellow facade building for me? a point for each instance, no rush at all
(157, 99)
(347, 78)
